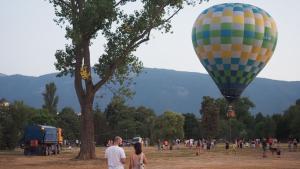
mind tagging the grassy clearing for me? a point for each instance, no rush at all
(184, 158)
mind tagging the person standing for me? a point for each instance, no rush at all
(115, 155)
(290, 145)
(295, 143)
(264, 147)
(226, 146)
(158, 145)
(199, 147)
(138, 158)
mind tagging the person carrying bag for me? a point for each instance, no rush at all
(137, 159)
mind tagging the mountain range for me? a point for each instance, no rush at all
(159, 89)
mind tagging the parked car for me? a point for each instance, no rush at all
(137, 140)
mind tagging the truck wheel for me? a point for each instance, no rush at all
(44, 151)
(48, 150)
(55, 150)
(40, 150)
(26, 152)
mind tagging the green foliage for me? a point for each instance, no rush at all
(102, 129)
(9, 132)
(42, 116)
(121, 119)
(50, 99)
(13, 119)
(223, 106)
(128, 121)
(265, 128)
(242, 108)
(243, 125)
(116, 111)
(146, 118)
(238, 129)
(292, 117)
(69, 121)
(170, 126)
(191, 126)
(210, 117)
(282, 129)
(295, 126)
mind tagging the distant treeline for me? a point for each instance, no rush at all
(120, 119)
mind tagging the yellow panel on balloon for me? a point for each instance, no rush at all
(236, 47)
(227, 12)
(248, 13)
(238, 19)
(216, 47)
(244, 55)
(226, 54)
(255, 49)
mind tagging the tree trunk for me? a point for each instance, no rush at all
(87, 146)
(85, 96)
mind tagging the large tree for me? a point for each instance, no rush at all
(102, 129)
(209, 117)
(169, 126)
(13, 119)
(292, 116)
(50, 98)
(145, 119)
(191, 126)
(123, 32)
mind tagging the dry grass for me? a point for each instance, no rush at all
(175, 159)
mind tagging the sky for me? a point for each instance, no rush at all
(29, 38)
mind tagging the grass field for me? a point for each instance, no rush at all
(183, 158)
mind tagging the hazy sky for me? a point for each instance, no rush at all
(29, 39)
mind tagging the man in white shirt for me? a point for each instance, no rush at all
(115, 155)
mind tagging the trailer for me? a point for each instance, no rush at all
(42, 140)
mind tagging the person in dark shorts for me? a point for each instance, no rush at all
(295, 144)
(264, 147)
(226, 145)
(208, 144)
(198, 147)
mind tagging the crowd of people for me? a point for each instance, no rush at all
(116, 156)
(293, 144)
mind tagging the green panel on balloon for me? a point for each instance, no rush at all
(234, 42)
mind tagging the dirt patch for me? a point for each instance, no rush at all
(183, 158)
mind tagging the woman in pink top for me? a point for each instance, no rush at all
(138, 158)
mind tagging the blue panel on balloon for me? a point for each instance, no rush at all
(225, 33)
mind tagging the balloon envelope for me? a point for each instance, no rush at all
(234, 42)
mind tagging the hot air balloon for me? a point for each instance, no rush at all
(234, 42)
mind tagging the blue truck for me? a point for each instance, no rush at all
(42, 140)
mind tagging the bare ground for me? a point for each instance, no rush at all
(183, 158)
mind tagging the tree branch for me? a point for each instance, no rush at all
(118, 3)
(142, 40)
(63, 3)
(132, 45)
(107, 75)
(168, 19)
